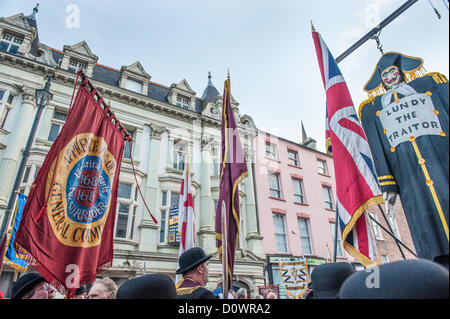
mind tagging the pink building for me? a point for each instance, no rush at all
(295, 189)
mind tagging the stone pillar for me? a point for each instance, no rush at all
(16, 143)
(170, 151)
(206, 232)
(164, 152)
(254, 239)
(147, 227)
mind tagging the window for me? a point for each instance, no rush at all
(169, 199)
(339, 239)
(10, 43)
(384, 259)
(75, 66)
(126, 210)
(394, 226)
(134, 86)
(271, 150)
(275, 185)
(164, 199)
(216, 161)
(179, 153)
(7, 106)
(280, 233)
(299, 196)
(293, 158)
(323, 168)
(126, 146)
(376, 229)
(183, 101)
(276, 275)
(328, 197)
(305, 237)
(28, 178)
(57, 123)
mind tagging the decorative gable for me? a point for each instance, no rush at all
(182, 95)
(17, 35)
(79, 57)
(134, 78)
(18, 20)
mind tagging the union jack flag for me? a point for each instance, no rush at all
(356, 181)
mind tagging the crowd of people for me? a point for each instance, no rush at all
(406, 279)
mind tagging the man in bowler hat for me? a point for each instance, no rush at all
(326, 279)
(194, 269)
(403, 279)
(151, 286)
(32, 286)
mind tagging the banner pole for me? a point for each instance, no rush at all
(398, 241)
(224, 252)
(391, 231)
(336, 232)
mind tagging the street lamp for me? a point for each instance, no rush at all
(43, 98)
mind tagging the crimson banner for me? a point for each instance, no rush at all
(68, 221)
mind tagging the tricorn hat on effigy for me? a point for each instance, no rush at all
(412, 68)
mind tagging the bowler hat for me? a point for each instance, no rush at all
(191, 258)
(404, 279)
(25, 283)
(153, 286)
(326, 279)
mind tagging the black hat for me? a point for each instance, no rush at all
(25, 283)
(81, 290)
(191, 258)
(326, 279)
(404, 279)
(154, 286)
(442, 260)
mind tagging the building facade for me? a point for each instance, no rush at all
(287, 200)
(296, 202)
(169, 125)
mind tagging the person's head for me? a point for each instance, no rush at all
(326, 279)
(404, 279)
(152, 286)
(32, 286)
(391, 77)
(242, 293)
(104, 288)
(259, 297)
(194, 265)
(233, 293)
(81, 293)
(271, 295)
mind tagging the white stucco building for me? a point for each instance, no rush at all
(168, 123)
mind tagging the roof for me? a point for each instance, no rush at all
(210, 93)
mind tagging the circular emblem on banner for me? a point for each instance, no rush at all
(80, 190)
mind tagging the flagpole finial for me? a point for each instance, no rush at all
(228, 73)
(312, 27)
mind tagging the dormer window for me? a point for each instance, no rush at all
(75, 66)
(10, 43)
(134, 86)
(183, 101)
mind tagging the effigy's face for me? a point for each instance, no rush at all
(391, 77)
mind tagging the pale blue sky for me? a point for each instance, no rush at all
(267, 46)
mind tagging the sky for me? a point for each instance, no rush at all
(266, 45)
